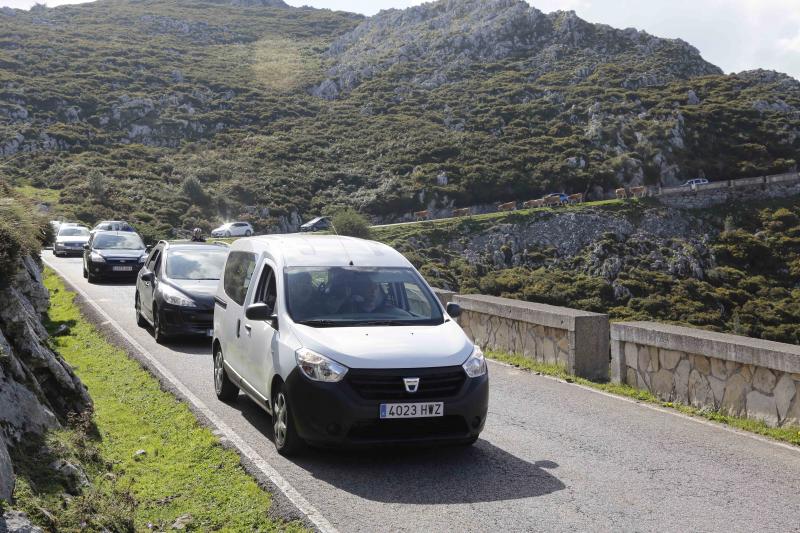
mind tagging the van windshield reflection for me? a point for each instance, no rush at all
(352, 296)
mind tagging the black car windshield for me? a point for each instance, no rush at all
(351, 296)
(118, 241)
(73, 231)
(200, 264)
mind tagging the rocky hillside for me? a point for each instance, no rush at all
(443, 40)
(731, 268)
(38, 390)
(179, 113)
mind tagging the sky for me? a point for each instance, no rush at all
(735, 35)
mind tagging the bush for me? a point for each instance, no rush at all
(351, 223)
(192, 189)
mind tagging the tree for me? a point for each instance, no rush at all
(350, 222)
(97, 184)
(192, 189)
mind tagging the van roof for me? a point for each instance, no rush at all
(298, 249)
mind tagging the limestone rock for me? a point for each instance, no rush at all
(17, 522)
(6, 472)
(662, 384)
(700, 394)
(702, 364)
(681, 379)
(718, 368)
(74, 477)
(793, 415)
(718, 389)
(785, 391)
(669, 358)
(631, 356)
(762, 407)
(734, 401)
(764, 380)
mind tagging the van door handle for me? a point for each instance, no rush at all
(248, 329)
(238, 327)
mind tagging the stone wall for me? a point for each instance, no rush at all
(737, 375)
(720, 192)
(575, 340)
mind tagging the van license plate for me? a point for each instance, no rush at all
(123, 269)
(412, 410)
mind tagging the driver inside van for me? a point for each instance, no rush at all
(367, 297)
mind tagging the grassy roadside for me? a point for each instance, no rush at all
(788, 434)
(149, 461)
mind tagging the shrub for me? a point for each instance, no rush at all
(351, 223)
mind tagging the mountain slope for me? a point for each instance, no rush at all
(179, 113)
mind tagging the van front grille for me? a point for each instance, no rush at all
(388, 384)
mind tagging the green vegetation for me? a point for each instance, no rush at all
(789, 434)
(22, 230)
(153, 93)
(183, 470)
(734, 270)
(349, 222)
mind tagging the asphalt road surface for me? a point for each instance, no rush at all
(553, 457)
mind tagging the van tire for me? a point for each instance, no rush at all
(225, 388)
(285, 436)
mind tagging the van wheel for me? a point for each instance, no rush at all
(91, 278)
(287, 442)
(248, 233)
(223, 386)
(227, 234)
(85, 273)
(140, 321)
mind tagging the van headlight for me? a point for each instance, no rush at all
(97, 258)
(475, 365)
(175, 297)
(317, 367)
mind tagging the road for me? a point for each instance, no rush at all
(554, 456)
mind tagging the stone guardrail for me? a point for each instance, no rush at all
(737, 375)
(575, 340)
(757, 181)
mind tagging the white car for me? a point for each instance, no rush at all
(343, 342)
(70, 239)
(233, 229)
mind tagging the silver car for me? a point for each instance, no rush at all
(70, 240)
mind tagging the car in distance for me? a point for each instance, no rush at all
(69, 240)
(233, 229)
(113, 254)
(113, 225)
(316, 224)
(695, 182)
(343, 342)
(560, 195)
(176, 286)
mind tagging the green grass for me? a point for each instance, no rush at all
(185, 470)
(788, 434)
(49, 196)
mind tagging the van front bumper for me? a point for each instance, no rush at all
(336, 414)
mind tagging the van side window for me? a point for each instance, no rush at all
(266, 292)
(238, 273)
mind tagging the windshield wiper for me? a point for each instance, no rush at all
(322, 323)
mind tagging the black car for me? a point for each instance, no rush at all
(175, 288)
(113, 254)
(316, 224)
(113, 225)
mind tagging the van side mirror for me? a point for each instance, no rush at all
(454, 310)
(262, 312)
(85, 246)
(147, 276)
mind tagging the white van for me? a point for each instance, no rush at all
(343, 343)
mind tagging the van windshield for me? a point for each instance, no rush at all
(350, 296)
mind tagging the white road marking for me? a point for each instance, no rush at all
(313, 515)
